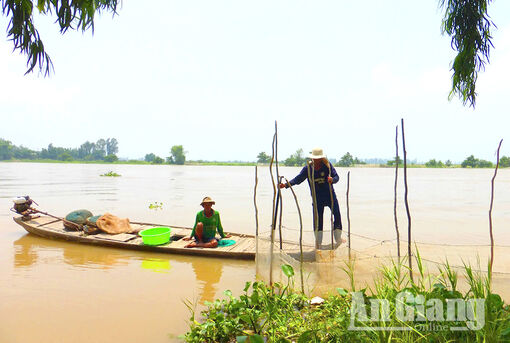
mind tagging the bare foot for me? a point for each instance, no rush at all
(191, 245)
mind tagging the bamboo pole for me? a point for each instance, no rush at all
(331, 208)
(281, 210)
(395, 192)
(255, 204)
(348, 213)
(273, 213)
(409, 254)
(490, 211)
(279, 194)
(300, 236)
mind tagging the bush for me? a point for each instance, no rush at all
(280, 314)
(472, 162)
(111, 158)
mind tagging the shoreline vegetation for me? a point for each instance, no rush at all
(104, 151)
(372, 314)
(240, 163)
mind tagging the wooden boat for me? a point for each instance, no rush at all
(50, 227)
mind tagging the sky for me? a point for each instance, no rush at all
(214, 76)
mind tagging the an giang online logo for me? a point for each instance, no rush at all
(413, 311)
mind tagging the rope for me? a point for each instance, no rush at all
(417, 242)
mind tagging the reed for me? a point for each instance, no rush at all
(280, 314)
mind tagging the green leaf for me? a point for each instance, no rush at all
(439, 286)
(228, 293)
(250, 339)
(255, 339)
(288, 270)
(247, 286)
(495, 300)
(342, 291)
(307, 336)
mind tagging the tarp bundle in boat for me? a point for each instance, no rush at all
(92, 224)
(78, 217)
(113, 225)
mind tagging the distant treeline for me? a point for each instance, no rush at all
(102, 150)
(348, 160)
(106, 150)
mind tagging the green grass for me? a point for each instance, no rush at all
(281, 314)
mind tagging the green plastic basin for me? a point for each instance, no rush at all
(155, 235)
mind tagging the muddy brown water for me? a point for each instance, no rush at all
(53, 291)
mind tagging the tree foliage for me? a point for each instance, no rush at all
(112, 146)
(472, 162)
(504, 162)
(391, 163)
(469, 26)
(74, 15)
(262, 157)
(157, 160)
(150, 157)
(86, 152)
(465, 21)
(434, 164)
(178, 155)
(348, 160)
(296, 159)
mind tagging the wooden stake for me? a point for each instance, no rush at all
(409, 253)
(348, 213)
(331, 208)
(279, 193)
(490, 211)
(273, 220)
(255, 204)
(281, 210)
(395, 192)
(300, 236)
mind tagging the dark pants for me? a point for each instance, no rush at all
(337, 219)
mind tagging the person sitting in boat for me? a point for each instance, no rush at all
(321, 176)
(206, 224)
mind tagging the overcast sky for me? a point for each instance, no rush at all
(213, 76)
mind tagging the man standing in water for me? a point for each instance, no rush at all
(321, 176)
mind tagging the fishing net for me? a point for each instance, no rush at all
(321, 271)
(78, 217)
(448, 209)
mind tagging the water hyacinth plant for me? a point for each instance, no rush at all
(156, 205)
(111, 174)
(281, 314)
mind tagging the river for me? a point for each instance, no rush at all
(55, 291)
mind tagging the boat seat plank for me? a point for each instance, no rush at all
(251, 246)
(46, 220)
(120, 237)
(241, 244)
(181, 232)
(58, 226)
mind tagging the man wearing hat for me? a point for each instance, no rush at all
(321, 176)
(206, 224)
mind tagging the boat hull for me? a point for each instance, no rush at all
(49, 227)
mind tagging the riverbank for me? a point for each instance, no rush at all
(398, 308)
(219, 163)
